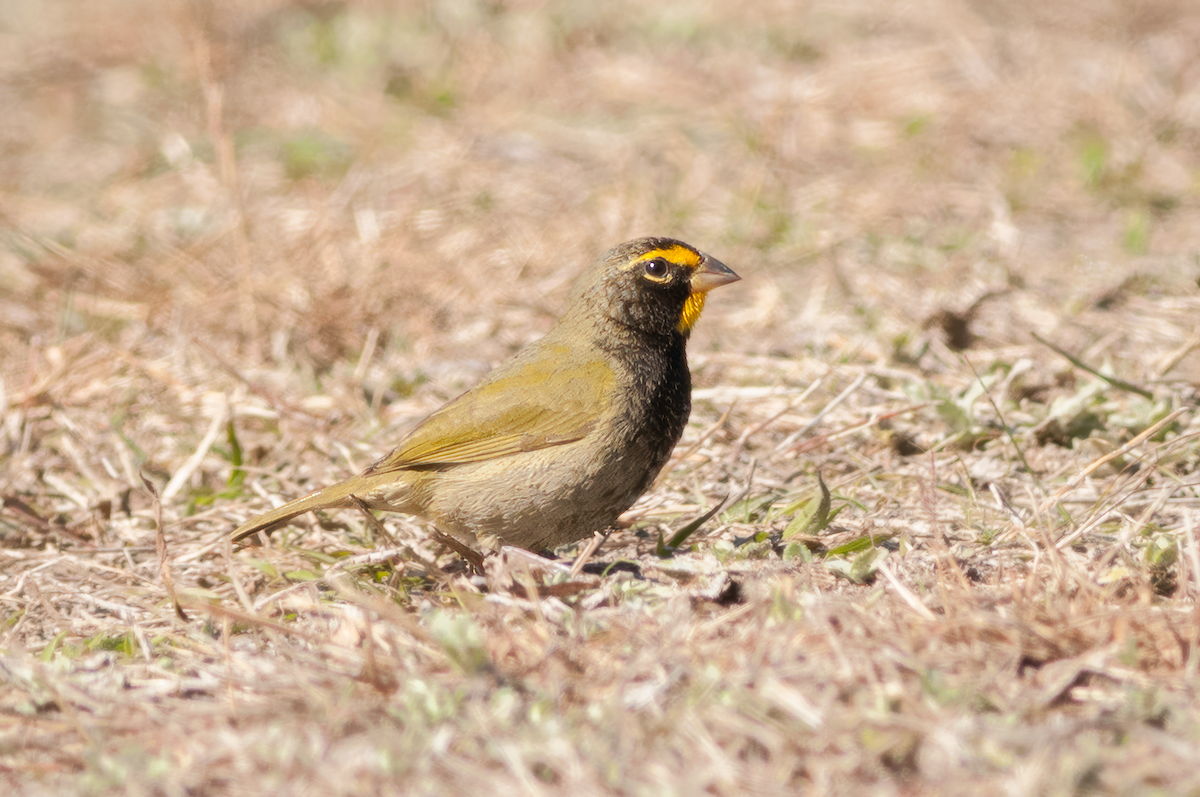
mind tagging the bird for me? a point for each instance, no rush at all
(554, 444)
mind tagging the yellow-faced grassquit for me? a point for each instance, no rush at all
(557, 442)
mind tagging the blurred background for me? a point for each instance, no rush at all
(299, 184)
(245, 246)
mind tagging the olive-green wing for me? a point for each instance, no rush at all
(531, 406)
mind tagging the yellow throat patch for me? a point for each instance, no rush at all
(691, 312)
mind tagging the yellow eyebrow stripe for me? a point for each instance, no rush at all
(675, 254)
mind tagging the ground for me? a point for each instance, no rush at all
(950, 407)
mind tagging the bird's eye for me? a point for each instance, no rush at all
(656, 268)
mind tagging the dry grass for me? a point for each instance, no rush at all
(247, 245)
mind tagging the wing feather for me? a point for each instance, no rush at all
(524, 407)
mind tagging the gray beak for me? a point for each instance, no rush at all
(711, 273)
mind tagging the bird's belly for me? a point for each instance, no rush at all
(541, 499)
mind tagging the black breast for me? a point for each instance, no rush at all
(658, 396)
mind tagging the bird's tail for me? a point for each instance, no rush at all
(334, 497)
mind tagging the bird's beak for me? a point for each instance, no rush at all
(711, 273)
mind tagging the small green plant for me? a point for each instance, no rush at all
(859, 564)
(314, 153)
(811, 516)
(1093, 158)
(1137, 232)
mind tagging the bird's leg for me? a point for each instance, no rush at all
(474, 558)
(375, 523)
(592, 546)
